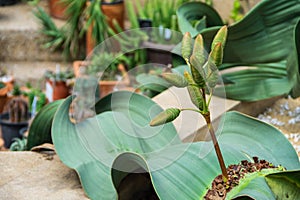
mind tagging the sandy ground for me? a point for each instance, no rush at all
(285, 115)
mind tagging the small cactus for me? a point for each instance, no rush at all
(17, 109)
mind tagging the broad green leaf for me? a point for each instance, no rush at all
(270, 82)
(266, 38)
(93, 144)
(196, 11)
(253, 185)
(285, 185)
(201, 24)
(152, 82)
(177, 170)
(269, 184)
(40, 128)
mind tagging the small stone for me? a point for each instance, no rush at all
(269, 110)
(297, 110)
(292, 121)
(286, 106)
(287, 136)
(291, 114)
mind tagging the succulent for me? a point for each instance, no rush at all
(17, 109)
(18, 144)
(59, 76)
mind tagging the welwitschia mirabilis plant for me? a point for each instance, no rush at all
(201, 81)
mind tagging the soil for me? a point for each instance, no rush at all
(219, 188)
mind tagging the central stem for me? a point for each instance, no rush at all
(217, 147)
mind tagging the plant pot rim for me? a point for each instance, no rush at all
(4, 121)
(112, 3)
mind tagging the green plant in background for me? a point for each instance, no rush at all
(33, 2)
(37, 97)
(59, 75)
(209, 2)
(236, 14)
(18, 144)
(161, 14)
(70, 36)
(97, 20)
(99, 68)
(55, 37)
(202, 80)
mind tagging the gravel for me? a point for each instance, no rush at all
(285, 115)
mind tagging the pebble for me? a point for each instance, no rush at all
(285, 106)
(297, 110)
(293, 119)
(268, 119)
(295, 138)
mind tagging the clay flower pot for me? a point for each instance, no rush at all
(57, 9)
(3, 95)
(114, 11)
(59, 90)
(111, 11)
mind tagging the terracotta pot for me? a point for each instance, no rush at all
(57, 9)
(3, 95)
(3, 100)
(112, 11)
(60, 90)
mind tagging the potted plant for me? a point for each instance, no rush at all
(15, 118)
(109, 68)
(57, 9)
(101, 15)
(36, 100)
(161, 19)
(87, 25)
(56, 84)
(19, 144)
